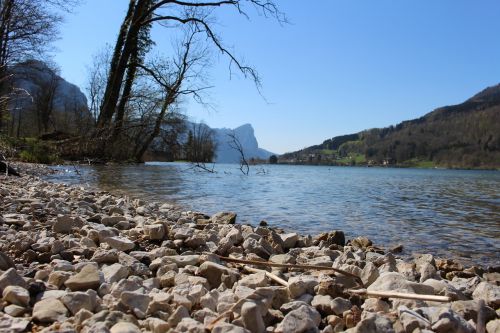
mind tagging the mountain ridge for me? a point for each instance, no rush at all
(465, 135)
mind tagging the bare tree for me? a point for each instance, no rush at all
(140, 17)
(97, 74)
(235, 143)
(27, 28)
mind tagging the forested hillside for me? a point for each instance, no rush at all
(466, 135)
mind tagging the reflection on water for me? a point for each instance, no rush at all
(445, 212)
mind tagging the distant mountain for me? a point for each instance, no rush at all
(42, 101)
(34, 75)
(466, 135)
(246, 135)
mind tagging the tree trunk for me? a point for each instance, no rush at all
(156, 130)
(119, 66)
(127, 89)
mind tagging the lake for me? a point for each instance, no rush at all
(450, 213)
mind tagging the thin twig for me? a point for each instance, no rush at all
(272, 276)
(305, 267)
(391, 294)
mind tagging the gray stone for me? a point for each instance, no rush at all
(323, 303)
(6, 262)
(372, 322)
(376, 305)
(493, 326)
(469, 309)
(252, 318)
(369, 274)
(124, 327)
(137, 303)
(446, 320)
(190, 325)
(289, 240)
(303, 319)
(63, 224)
(228, 328)
(16, 295)
(213, 272)
(75, 301)
(490, 293)
(14, 310)
(340, 305)
(154, 231)
(12, 325)
(224, 218)
(183, 261)
(11, 278)
(112, 220)
(299, 285)
(103, 256)
(49, 310)
(254, 280)
(87, 278)
(120, 243)
(115, 272)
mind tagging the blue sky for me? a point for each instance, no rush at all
(339, 67)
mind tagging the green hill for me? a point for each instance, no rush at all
(466, 135)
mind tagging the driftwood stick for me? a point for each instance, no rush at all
(305, 267)
(272, 276)
(391, 294)
(226, 313)
(481, 321)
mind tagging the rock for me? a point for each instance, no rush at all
(63, 224)
(289, 240)
(154, 231)
(323, 303)
(340, 305)
(87, 278)
(444, 288)
(490, 293)
(224, 218)
(112, 220)
(12, 325)
(115, 272)
(493, 326)
(213, 272)
(183, 261)
(469, 309)
(361, 242)
(11, 278)
(251, 245)
(252, 318)
(14, 310)
(303, 319)
(180, 313)
(393, 281)
(376, 305)
(6, 262)
(228, 328)
(103, 256)
(120, 243)
(49, 310)
(76, 301)
(156, 325)
(369, 274)
(411, 320)
(16, 295)
(190, 325)
(299, 285)
(124, 327)
(372, 322)
(446, 320)
(254, 280)
(136, 302)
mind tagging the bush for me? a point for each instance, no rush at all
(34, 151)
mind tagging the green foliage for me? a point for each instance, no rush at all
(35, 151)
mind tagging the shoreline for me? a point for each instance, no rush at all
(83, 259)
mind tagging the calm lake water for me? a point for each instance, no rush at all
(449, 213)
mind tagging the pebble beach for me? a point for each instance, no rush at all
(74, 259)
